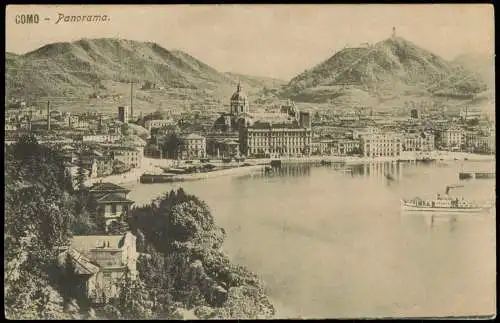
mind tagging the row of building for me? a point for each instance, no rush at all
(285, 131)
(289, 133)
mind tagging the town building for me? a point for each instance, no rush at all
(480, 142)
(158, 124)
(414, 114)
(79, 124)
(10, 127)
(451, 137)
(238, 115)
(223, 145)
(323, 147)
(25, 124)
(123, 114)
(102, 138)
(131, 156)
(418, 142)
(281, 139)
(289, 109)
(111, 201)
(100, 264)
(467, 114)
(239, 102)
(192, 146)
(358, 132)
(381, 145)
(349, 117)
(346, 147)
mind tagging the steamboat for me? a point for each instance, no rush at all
(443, 204)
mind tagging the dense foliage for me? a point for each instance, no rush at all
(38, 218)
(182, 271)
(171, 144)
(120, 167)
(183, 265)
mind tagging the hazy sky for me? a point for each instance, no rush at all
(268, 40)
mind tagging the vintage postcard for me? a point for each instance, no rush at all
(249, 161)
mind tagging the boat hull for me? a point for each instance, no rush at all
(407, 208)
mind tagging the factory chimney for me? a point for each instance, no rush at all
(48, 115)
(100, 123)
(30, 118)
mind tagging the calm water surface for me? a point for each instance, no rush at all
(335, 244)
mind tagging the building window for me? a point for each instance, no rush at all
(113, 208)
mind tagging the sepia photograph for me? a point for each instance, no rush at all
(292, 161)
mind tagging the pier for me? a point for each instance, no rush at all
(476, 175)
(157, 178)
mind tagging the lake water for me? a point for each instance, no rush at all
(334, 244)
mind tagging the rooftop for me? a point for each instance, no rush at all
(192, 136)
(84, 244)
(270, 125)
(83, 265)
(106, 186)
(113, 197)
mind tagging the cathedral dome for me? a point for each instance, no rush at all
(239, 102)
(239, 95)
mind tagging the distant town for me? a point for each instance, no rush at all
(114, 144)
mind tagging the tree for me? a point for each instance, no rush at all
(81, 177)
(184, 261)
(171, 145)
(118, 227)
(84, 223)
(134, 301)
(245, 302)
(119, 167)
(38, 215)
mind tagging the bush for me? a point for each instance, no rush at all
(119, 167)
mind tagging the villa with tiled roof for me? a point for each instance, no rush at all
(100, 263)
(111, 200)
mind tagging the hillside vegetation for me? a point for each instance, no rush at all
(181, 265)
(81, 70)
(483, 64)
(393, 67)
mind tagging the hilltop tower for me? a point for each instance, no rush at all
(393, 32)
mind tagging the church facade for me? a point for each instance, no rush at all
(238, 115)
(290, 136)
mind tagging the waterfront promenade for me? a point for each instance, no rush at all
(153, 166)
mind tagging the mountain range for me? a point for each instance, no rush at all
(391, 68)
(74, 74)
(483, 64)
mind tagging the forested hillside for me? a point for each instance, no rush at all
(181, 267)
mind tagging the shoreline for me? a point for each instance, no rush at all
(281, 311)
(218, 173)
(152, 165)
